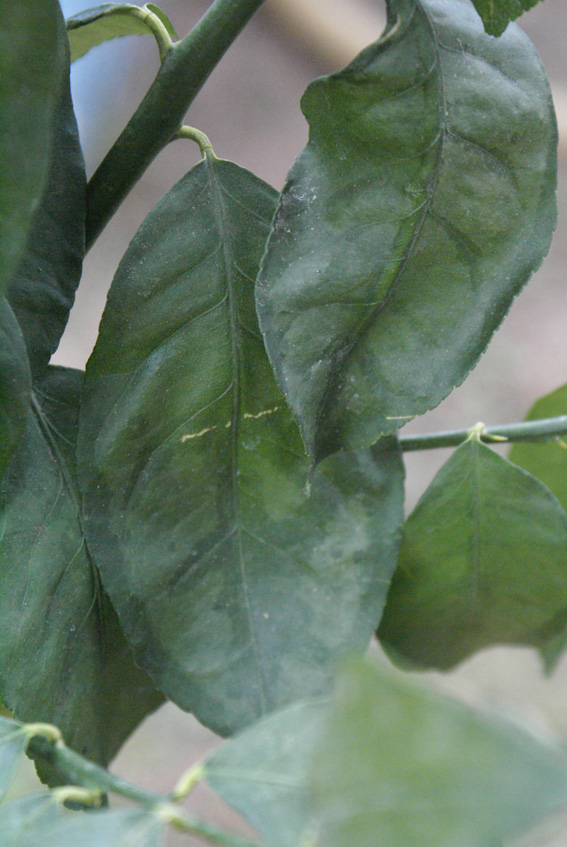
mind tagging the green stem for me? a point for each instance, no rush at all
(545, 429)
(193, 134)
(82, 772)
(184, 71)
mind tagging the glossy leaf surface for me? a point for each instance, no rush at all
(32, 62)
(13, 742)
(422, 203)
(264, 772)
(64, 659)
(483, 561)
(94, 26)
(236, 585)
(497, 14)
(400, 765)
(15, 384)
(43, 289)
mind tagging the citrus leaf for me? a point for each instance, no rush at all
(94, 26)
(13, 743)
(116, 828)
(423, 202)
(43, 289)
(483, 561)
(64, 659)
(37, 819)
(15, 385)
(32, 62)
(22, 820)
(264, 772)
(401, 765)
(237, 586)
(547, 461)
(497, 14)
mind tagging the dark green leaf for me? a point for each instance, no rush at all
(13, 742)
(43, 289)
(497, 14)
(483, 561)
(36, 821)
(63, 658)
(400, 765)
(92, 27)
(15, 385)
(264, 771)
(32, 62)
(422, 203)
(23, 822)
(236, 585)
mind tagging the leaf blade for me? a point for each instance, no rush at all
(31, 71)
(482, 562)
(264, 772)
(64, 659)
(15, 385)
(102, 23)
(399, 241)
(497, 14)
(402, 765)
(192, 464)
(42, 290)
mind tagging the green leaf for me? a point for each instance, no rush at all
(116, 828)
(264, 771)
(236, 586)
(400, 765)
(23, 820)
(43, 289)
(32, 62)
(546, 460)
(13, 742)
(423, 202)
(64, 659)
(497, 14)
(37, 820)
(94, 26)
(483, 561)
(15, 385)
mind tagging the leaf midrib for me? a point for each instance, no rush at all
(220, 213)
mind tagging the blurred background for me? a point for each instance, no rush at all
(250, 111)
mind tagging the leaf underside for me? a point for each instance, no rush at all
(401, 765)
(401, 236)
(236, 585)
(64, 659)
(483, 561)
(102, 23)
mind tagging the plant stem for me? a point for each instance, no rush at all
(183, 72)
(545, 429)
(87, 774)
